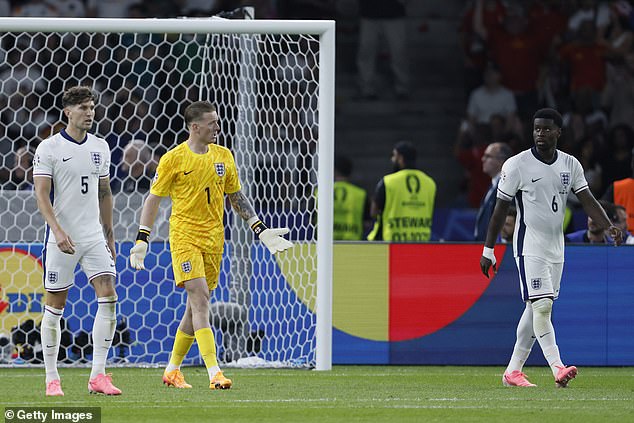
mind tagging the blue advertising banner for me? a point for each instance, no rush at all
(593, 317)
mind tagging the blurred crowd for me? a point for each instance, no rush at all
(576, 56)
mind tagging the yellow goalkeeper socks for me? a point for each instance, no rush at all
(207, 347)
(182, 344)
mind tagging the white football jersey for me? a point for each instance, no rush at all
(75, 169)
(541, 190)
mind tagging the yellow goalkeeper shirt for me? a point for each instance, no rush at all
(197, 184)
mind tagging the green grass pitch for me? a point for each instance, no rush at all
(346, 394)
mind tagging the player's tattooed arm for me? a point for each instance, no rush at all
(104, 194)
(241, 205)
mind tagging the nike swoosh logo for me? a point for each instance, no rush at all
(535, 180)
(49, 346)
(187, 173)
(108, 340)
(65, 159)
(541, 336)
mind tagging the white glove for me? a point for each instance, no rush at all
(273, 241)
(488, 253)
(137, 255)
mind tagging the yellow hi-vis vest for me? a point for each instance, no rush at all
(409, 207)
(349, 205)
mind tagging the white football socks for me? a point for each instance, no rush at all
(524, 342)
(171, 367)
(102, 333)
(51, 335)
(211, 371)
(545, 333)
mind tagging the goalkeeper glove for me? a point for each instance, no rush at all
(137, 255)
(139, 250)
(271, 237)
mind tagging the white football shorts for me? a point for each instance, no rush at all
(59, 268)
(539, 278)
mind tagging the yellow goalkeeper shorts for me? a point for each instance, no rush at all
(191, 263)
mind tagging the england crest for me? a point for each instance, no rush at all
(536, 283)
(52, 277)
(96, 158)
(186, 266)
(220, 169)
(565, 178)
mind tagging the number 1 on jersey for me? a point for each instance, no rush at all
(208, 195)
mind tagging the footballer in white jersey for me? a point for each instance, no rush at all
(71, 175)
(75, 168)
(541, 191)
(540, 180)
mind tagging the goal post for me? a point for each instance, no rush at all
(273, 83)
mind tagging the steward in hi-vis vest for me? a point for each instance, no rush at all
(350, 208)
(404, 201)
(351, 205)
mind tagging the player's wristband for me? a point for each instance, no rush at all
(488, 253)
(256, 225)
(143, 234)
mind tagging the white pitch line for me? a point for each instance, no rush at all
(322, 405)
(362, 403)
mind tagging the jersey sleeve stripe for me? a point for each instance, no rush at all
(504, 195)
(580, 189)
(48, 175)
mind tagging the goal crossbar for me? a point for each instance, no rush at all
(174, 25)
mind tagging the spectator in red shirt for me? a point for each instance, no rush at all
(547, 20)
(584, 57)
(469, 148)
(518, 53)
(473, 46)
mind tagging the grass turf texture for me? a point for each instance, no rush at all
(346, 394)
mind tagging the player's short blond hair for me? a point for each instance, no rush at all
(196, 110)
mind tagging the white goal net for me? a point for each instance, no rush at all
(266, 78)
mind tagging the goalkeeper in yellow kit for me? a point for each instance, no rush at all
(196, 175)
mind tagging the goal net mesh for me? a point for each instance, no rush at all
(265, 87)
